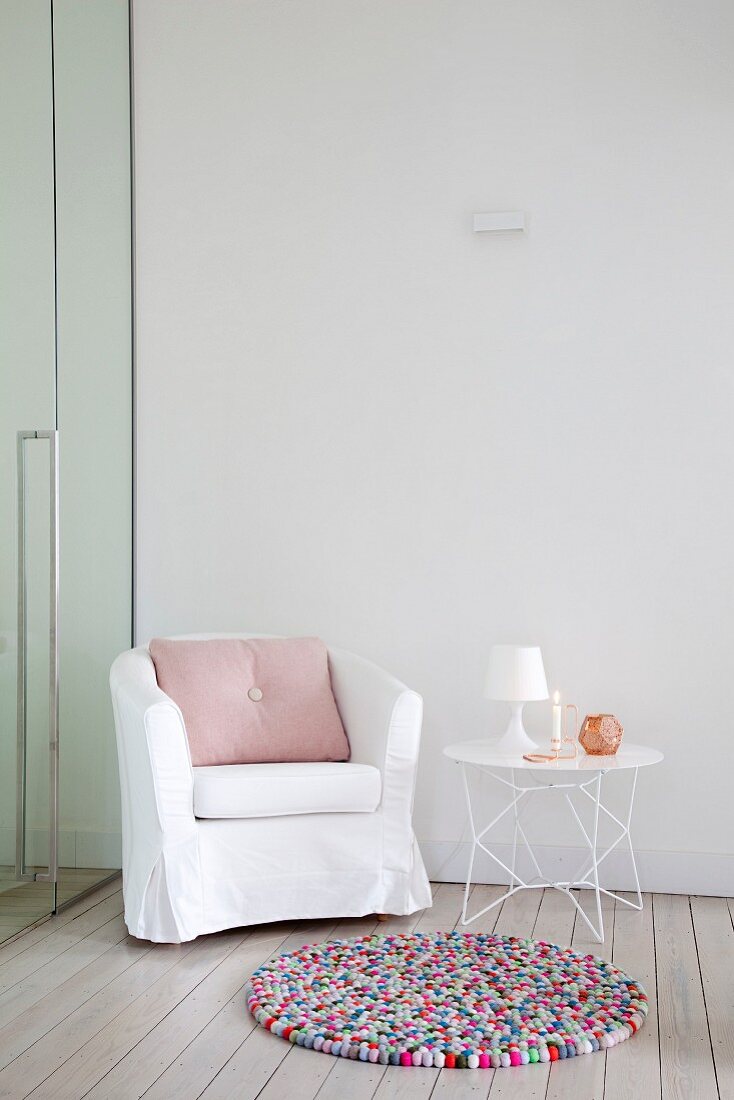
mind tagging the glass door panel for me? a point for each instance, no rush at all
(66, 384)
(27, 402)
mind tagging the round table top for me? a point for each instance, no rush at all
(484, 753)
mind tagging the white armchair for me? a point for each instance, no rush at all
(218, 847)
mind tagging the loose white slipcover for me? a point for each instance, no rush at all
(185, 875)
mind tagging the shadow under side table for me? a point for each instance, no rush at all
(521, 779)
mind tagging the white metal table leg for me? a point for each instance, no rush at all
(477, 843)
(595, 862)
(514, 834)
(590, 876)
(629, 844)
(625, 833)
(592, 843)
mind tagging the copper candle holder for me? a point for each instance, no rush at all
(559, 754)
(572, 741)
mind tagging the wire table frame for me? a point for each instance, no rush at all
(582, 779)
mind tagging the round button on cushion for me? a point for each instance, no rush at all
(255, 694)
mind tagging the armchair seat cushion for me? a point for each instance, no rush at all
(276, 790)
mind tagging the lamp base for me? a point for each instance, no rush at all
(515, 741)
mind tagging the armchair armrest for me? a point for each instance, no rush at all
(155, 764)
(160, 856)
(381, 715)
(383, 721)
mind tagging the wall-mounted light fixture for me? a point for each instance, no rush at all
(507, 219)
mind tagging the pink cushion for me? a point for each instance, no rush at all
(254, 701)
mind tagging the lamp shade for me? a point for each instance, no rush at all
(516, 674)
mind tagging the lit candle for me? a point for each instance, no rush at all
(556, 734)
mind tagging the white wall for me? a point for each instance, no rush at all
(358, 419)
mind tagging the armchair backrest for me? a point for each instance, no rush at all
(370, 700)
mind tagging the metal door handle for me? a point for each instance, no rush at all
(53, 679)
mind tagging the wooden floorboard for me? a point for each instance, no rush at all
(633, 1068)
(687, 1067)
(88, 1011)
(714, 936)
(351, 1080)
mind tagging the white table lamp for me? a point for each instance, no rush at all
(516, 676)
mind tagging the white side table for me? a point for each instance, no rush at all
(583, 775)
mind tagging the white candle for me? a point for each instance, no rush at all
(556, 734)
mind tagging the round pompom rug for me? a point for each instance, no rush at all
(448, 999)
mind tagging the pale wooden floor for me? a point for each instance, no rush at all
(86, 1010)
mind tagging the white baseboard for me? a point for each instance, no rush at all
(708, 873)
(77, 848)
